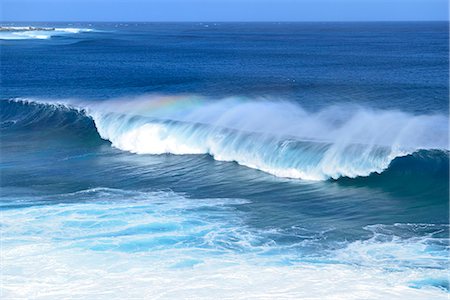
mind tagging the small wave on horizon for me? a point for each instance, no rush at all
(40, 34)
(277, 137)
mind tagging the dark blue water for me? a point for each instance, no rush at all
(300, 158)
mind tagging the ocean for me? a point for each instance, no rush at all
(225, 161)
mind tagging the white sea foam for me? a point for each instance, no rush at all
(114, 244)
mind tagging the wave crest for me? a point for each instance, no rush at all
(280, 138)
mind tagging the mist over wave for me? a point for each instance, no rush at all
(277, 137)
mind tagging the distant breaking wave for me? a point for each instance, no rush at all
(277, 137)
(40, 34)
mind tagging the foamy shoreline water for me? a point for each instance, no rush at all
(164, 245)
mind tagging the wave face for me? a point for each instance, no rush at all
(280, 138)
(40, 34)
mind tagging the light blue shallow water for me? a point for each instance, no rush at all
(229, 161)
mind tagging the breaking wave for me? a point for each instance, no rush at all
(277, 137)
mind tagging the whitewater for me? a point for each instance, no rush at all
(165, 245)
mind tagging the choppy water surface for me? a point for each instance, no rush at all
(235, 160)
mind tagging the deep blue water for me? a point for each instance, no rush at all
(301, 158)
